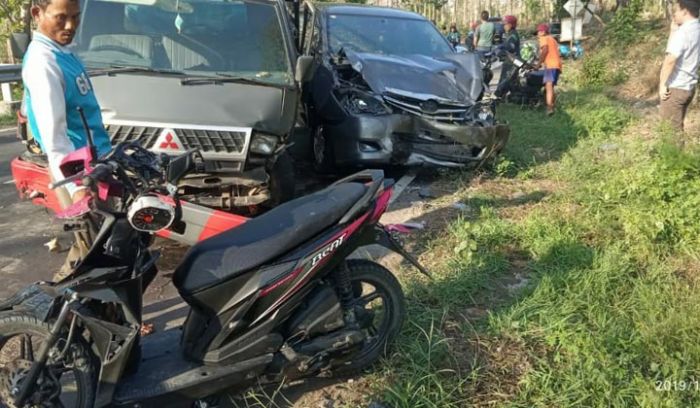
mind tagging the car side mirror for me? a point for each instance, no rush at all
(19, 42)
(461, 49)
(303, 68)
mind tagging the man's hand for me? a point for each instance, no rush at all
(80, 194)
(666, 70)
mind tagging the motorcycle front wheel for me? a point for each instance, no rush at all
(380, 309)
(68, 379)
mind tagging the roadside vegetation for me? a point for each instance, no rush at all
(570, 276)
(7, 120)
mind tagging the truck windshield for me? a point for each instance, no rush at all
(193, 37)
(385, 35)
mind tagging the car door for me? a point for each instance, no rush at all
(308, 45)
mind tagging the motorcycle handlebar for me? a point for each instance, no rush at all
(98, 173)
(71, 179)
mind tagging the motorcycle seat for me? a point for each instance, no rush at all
(264, 238)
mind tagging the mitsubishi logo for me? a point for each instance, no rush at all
(169, 144)
(168, 140)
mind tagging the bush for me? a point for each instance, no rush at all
(595, 70)
(624, 27)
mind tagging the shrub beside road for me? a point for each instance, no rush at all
(571, 277)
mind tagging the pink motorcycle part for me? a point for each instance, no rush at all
(82, 207)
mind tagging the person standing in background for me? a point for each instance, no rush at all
(551, 61)
(511, 39)
(483, 36)
(511, 45)
(469, 39)
(679, 71)
(453, 35)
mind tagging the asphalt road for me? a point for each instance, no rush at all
(25, 229)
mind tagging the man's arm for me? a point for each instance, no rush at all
(44, 81)
(674, 49)
(476, 36)
(666, 70)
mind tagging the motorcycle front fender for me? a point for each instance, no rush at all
(385, 239)
(32, 299)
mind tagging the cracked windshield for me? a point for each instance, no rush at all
(191, 38)
(381, 35)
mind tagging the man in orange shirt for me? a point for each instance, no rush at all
(550, 58)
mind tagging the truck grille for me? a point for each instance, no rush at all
(429, 109)
(213, 143)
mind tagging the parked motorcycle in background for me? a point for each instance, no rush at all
(522, 84)
(574, 52)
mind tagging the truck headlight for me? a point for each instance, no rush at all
(263, 144)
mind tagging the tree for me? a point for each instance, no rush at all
(559, 11)
(11, 14)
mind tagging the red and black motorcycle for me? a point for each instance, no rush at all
(274, 299)
(30, 174)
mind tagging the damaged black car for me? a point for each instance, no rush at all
(388, 89)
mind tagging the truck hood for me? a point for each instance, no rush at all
(452, 77)
(149, 98)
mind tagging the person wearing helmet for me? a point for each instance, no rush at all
(551, 61)
(511, 40)
(510, 45)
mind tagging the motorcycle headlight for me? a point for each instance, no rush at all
(149, 214)
(263, 144)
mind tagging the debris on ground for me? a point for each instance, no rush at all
(54, 245)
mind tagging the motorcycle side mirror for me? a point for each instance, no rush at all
(303, 69)
(19, 42)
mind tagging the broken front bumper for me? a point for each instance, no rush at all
(401, 139)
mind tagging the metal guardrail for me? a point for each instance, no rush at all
(10, 73)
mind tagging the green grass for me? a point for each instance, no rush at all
(603, 267)
(8, 120)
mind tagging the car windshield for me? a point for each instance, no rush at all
(192, 37)
(384, 35)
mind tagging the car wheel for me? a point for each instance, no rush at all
(324, 162)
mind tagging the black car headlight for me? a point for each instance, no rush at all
(482, 113)
(360, 102)
(263, 144)
(485, 114)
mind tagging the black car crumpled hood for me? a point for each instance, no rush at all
(452, 77)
